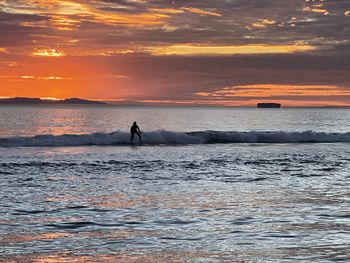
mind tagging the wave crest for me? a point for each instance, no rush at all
(173, 138)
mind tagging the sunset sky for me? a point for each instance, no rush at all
(203, 52)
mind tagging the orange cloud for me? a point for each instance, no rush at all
(287, 95)
(166, 10)
(142, 19)
(276, 90)
(31, 77)
(315, 9)
(190, 49)
(48, 53)
(66, 15)
(262, 23)
(62, 22)
(200, 11)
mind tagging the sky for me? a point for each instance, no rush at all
(193, 52)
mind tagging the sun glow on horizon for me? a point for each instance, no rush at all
(50, 98)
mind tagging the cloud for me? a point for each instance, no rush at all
(34, 78)
(273, 91)
(138, 24)
(48, 53)
(229, 50)
(200, 11)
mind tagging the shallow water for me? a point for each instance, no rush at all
(237, 202)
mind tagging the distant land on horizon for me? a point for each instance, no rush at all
(40, 101)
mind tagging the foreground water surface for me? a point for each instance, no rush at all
(216, 202)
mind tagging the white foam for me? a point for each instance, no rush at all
(173, 138)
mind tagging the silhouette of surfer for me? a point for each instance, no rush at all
(135, 130)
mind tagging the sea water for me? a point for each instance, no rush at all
(206, 185)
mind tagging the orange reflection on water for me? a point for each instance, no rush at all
(33, 237)
(123, 201)
(148, 257)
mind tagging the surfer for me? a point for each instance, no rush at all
(135, 130)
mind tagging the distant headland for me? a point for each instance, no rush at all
(41, 101)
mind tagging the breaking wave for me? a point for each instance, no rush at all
(173, 138)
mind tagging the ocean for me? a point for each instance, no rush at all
(205, 185)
